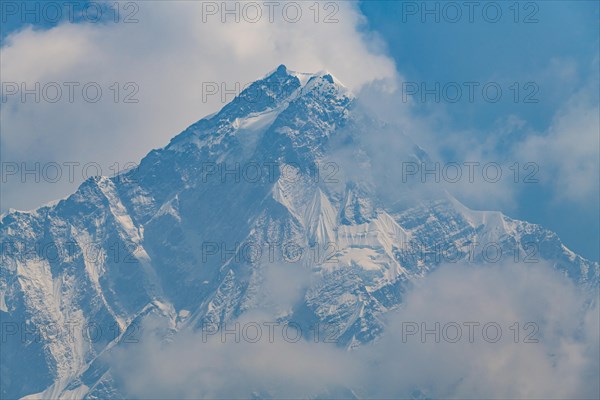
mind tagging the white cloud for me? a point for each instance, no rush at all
(563, 157)
(217, 367)
(554, 359)
(560, 365)
(568, 152)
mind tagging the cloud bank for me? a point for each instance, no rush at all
(552, 353)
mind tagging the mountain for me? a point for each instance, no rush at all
(191, 236)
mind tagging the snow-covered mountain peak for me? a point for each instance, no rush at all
(304, 77)
(177, 235)
(267, 103)
(285, 116)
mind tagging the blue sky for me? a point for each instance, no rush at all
(484, 51)
(558, 52)
(519, 52)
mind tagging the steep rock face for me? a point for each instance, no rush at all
(191, 234)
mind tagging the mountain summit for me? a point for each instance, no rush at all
(276, 180)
